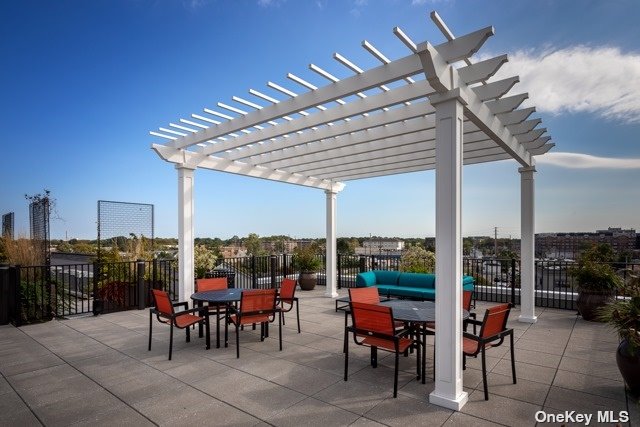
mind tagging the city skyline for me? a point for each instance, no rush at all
(81, 98)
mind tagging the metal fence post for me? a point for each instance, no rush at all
(513, 282)
(339, 267)
(98, 304)
(154, 275)
(285, 266)
(363, 264)
(254, 273)
(15, 289)
(140, 283)
(273, 266)
(4, 295)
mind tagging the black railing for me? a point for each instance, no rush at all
(39, 293)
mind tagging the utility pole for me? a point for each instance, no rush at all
(495, 241)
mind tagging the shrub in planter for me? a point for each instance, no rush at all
(307, 261)
(624, 315)
(596, 281)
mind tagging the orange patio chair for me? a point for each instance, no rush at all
(493, 330)
(256, 306)
(287, 298)
(373, 326)
(165, 312)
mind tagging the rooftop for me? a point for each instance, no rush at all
(97, 371)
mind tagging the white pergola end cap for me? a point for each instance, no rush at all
(527, 319)
(330, 294)
(446, 402)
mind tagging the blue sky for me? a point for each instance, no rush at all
(83, 82)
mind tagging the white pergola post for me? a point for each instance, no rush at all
(331, 252)
(185, 233)
(448, 390)
(527, 245)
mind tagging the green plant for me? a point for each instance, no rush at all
(593, 273)
(204, 260)
(417, 260)
(306, 259)
(624, 314)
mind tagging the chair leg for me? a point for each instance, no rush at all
(280, 322)
(346, 354)
(150, 328)
(513, 360)
(395, 375)
(207, 328)
(188, 333)
(171, 340)
(237, 342)
(374, 357)
(298, 314)
(226, 330)
(484, 375)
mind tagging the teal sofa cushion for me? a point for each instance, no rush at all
(365, 279)
(417, 280)
(385, 277)
(412, 285)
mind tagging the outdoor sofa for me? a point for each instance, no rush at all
(407, 285)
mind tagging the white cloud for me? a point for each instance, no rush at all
(587, 161)
(268, 3)
(600, 80)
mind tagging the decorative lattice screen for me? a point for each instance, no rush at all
(119, 222)
(39, 211)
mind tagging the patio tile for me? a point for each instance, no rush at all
(121, 415)
(526, 371)
(251, 394)
(591, 367)
(465, 420)
(355, 396)
(562, 399)
(523, 390)
(76, 409)
(404, 411)
(594, 385)
(538, 358)
(501, 410)
(306, 380)
(313, 412)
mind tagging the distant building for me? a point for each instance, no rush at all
(381, 247)
(233, 251)
(571, 245)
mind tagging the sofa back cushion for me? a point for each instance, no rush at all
(365, 279)
(384, 277)
(417, 280)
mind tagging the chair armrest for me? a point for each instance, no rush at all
(183, 303)
(204, 310)
(471, 336)
(473, 321)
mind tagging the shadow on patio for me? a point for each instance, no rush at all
(97, 371)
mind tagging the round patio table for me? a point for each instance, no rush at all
(219, 298)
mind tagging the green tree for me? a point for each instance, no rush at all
(254, 245)
(418, 260)
(204, 260)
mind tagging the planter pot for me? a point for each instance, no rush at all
(629, 367)
(307, 281)
(98, 306)
(589, 302)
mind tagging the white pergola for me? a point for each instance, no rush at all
(431, 109)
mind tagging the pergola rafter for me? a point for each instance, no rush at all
(433, 108)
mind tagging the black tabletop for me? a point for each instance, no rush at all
(223, 295)
(415, 311)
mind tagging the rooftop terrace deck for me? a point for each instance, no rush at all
(97, 371)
